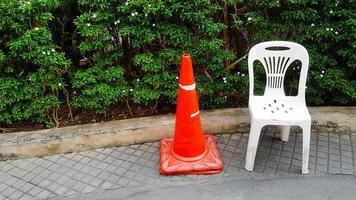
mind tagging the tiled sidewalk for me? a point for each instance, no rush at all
(94, 171)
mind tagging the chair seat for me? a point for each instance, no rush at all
(278, 111)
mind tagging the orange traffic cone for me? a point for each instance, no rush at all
(190, 152)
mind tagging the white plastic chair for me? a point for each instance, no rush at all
(274, 107)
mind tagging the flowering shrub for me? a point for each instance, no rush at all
(325, 28)
(92, 54)
(147, 39)
(31, 64)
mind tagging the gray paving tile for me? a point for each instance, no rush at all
(8, 191)
(43, 195)
(109, 168)
(61, 190)
(27, 187)
(25, 197)
(35, 191)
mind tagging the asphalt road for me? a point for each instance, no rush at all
(326, 187)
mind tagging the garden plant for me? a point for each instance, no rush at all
(60, 58)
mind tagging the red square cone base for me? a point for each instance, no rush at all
(211, 163)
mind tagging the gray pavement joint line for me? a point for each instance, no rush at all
(138, 157)
(151, 145)
(44, 168)
(260, 141)
(269, 151)
(103, 161)
(34, 185)
(226, 145)
(340, 154)
(328, 156)
(96, 176)
(110, 154)
(280, 156)
(291, 160)
(316, 152)
(71, 177)
(9, 186)
(244, 156)
(234, 151)
(352, 156)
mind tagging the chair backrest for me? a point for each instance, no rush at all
(276, 57)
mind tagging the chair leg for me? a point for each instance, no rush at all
(252, 145)
(285, 133)
(306, 145)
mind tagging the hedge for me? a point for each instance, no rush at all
(94, 55)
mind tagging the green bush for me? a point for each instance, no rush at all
(95, 54)
(325, 28)
(31, 64)
(148, 38)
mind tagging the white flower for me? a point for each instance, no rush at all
(117, 22)
(131, 90)
(225, 81)
(44, 53)
(224, 78)
(312, 24)
(59, 84)
(293, 68)
(238, 73)
(48, 52)
(136, 13)
(94, 15)
(321, 75)
(331, 29)
(146, 15)
(336, 32)
(331, 11)
(225, 97)
(88, 24)
(36, 28)
(243, 74)
(327, 29)
(53, 50)
(132, 14)
(138, 80)
(75, 92)
(126, 3)
(177, 77)
(149, 5)
(28, 2)
(322, 71)
(153, 24)
(124, 91)
(249, 19)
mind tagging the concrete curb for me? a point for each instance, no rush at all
(148, 129)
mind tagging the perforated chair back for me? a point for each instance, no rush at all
(276, 57)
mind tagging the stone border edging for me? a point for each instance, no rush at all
(149, 129)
